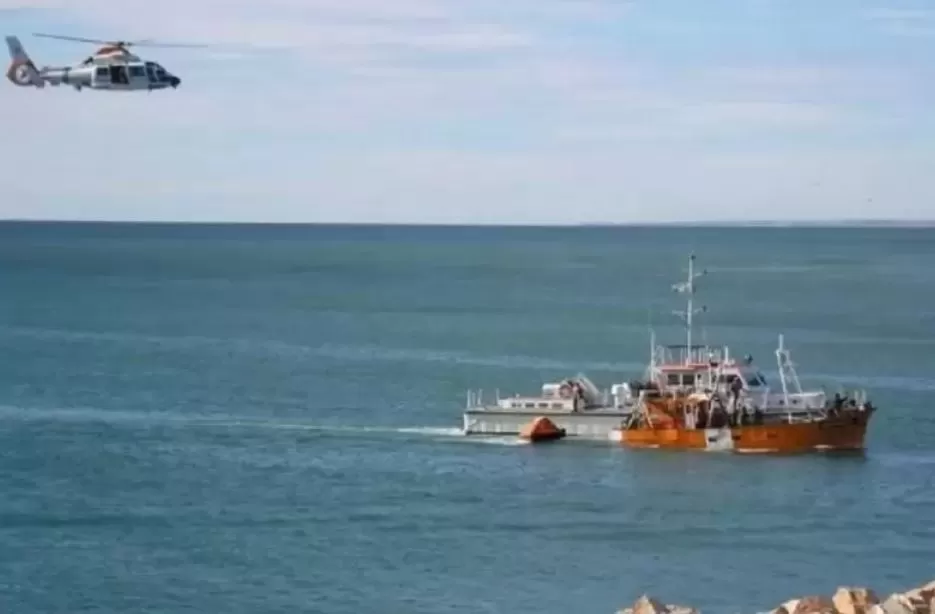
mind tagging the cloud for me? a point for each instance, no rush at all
(546, 187)
(900, 14)
(783, 114)
(312, 25)
(904, 21)
(685, 125)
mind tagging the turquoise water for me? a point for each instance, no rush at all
(260, 419)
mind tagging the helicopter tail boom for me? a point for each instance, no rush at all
(22, 71)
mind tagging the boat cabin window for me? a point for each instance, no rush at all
(755, 379)
(680, 379)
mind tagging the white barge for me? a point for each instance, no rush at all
(574, 404)
(585, 411)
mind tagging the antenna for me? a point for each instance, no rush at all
(652, 349)
(688, 287)
(652, 343)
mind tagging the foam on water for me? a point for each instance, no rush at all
(90, 415)
(440, 431)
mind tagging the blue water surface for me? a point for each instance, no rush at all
(250, 419)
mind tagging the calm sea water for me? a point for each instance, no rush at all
(262, 419)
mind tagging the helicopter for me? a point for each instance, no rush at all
(111, 68)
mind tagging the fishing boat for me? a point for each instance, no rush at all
(714, 421)
(708, 400)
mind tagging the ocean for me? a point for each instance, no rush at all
(264, 419)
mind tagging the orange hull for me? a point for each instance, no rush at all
(844, 432)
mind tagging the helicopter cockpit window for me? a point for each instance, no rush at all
(156, 72)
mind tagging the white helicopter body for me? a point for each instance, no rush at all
(111, 68)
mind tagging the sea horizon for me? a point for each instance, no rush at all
(794, 223)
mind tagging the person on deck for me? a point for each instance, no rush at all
(735, 387)
(578, 395)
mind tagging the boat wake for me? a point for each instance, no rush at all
(456, 435)
(145, 419)
(435, 433)
(432, 431)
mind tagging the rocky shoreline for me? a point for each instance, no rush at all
(846, 600)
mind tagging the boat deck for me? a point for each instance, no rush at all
(593, 423)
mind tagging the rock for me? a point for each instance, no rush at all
(786, 608)
(918, 601)
(815, 604)
(846, 600)
(924, 594)
(898, 603)
(648, 605)
(854, 600)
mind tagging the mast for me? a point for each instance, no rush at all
(787, 372)
(688, 287)
(652, 354)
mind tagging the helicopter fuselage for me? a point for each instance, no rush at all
(110, 69)
(115, 76)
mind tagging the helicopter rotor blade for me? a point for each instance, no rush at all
(148, 42)
(140, 43)
(72, 38)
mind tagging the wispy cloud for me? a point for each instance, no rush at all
(307, 24)
(904, 21)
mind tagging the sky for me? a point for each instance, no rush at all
(482, 112)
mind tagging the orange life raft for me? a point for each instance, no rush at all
(541, 429)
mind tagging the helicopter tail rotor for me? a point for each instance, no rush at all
(22, 71)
